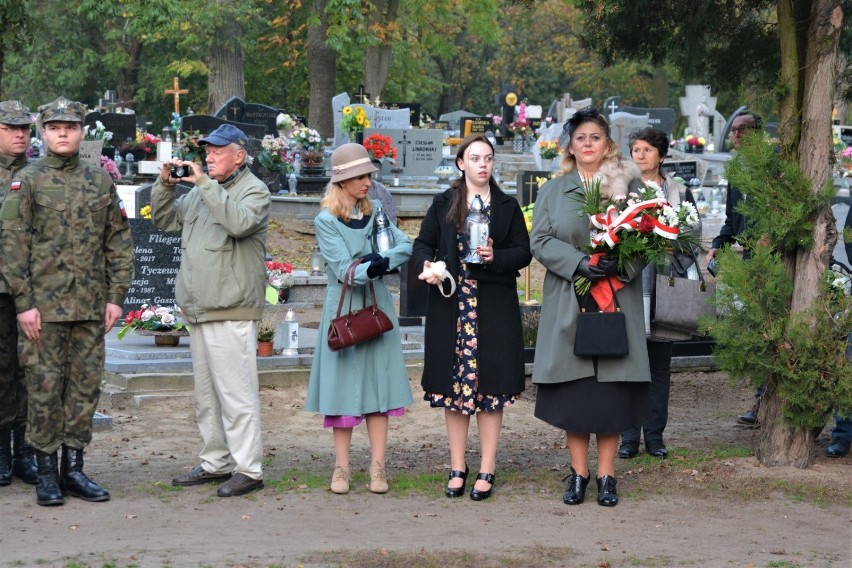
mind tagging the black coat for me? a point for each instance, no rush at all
(500, 340)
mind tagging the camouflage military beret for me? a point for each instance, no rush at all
(62, 109)
(13, 112)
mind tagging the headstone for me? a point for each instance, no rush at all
(412, 296)
(566, 107)
(527, 185)
(698, 106)
(361, 95)
(206, 124)
(419, 150)
(622, 124)
(660, 118)
(384, 119)
(413, 108)
(338, 102)
(843, 132)
(122, 126)
(237, 110)
(686, 170)
(90, 151)
(156, 255)
(441, 125)
(611, 105)
(454, 118)
(475, 125)
(534, 112)
(507, 100)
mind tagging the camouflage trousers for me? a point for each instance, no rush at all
(13, 389)
(63, 371)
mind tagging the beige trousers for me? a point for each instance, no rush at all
(227, 401)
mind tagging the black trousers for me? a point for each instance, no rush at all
(660, 360)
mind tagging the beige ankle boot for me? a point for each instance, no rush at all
(340, 480)
(378, 478)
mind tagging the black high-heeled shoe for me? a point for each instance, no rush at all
(458, 492)
(477, 495)
(575, 488)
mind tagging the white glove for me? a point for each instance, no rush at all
(436, 273)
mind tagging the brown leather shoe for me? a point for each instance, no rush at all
(239, 484)
(197, 476)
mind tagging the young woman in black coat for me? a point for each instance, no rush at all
(474, 346)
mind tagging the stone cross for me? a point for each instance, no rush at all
(109, 101)
(177, 92)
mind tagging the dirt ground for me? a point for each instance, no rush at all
(709, 504)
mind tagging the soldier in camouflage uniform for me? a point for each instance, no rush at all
(67, 257)
(15, 123)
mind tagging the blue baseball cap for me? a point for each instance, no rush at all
(224, 135)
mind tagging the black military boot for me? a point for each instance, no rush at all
(5, 457)
(47, 488)
(24, 465)
(75, 482)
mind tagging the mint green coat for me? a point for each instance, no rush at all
(371, 376)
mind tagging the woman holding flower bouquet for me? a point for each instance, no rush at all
(585, 395)
(474, 346)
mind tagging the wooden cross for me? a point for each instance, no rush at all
(361, 96)
(177, 92)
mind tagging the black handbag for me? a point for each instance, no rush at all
(680, 302)
(356, 326)
(601, 334)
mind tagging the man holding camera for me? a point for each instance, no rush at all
(220, 288)
(68, 260)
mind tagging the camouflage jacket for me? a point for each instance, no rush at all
(9, 166)
(65, 240)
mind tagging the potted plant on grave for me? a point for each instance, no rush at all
(521, 129)
(530, 316)
(285, 124)
(190, 150)
(265, 335)
(279, 279)
(100, 136)
(312, 155)
(276, 159)
(144, 147)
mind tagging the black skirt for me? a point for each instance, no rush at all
(587, 406)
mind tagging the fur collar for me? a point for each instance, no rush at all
(616, 175)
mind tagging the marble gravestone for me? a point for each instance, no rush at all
(122, 126)
(414, 110)
(156, 256)
(659, 118)
(698, 107)
(454, 118)
(622, 124)
(380, 119)
(205, 124)
(528, 186)
(475, 125)
(419, 150)
(236, 109)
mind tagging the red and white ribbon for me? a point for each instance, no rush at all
(611, 222)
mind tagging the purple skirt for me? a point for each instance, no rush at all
(352, 421)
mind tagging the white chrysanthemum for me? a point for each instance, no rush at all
(167, 319)
(147, 315)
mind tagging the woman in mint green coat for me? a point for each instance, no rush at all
(368, 380)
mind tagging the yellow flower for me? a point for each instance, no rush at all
(145, 212)
(359, 119)
(347, 110)
(366, 123)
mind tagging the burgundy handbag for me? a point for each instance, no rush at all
(359, 325)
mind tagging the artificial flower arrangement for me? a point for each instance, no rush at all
(145, 212)
(152, 318)
(640, 224)
(275, 155)
(307, 138)
(354, 120)
(521, 127)
(692, 140)
(496, 121)
(549, 149)
(34, 149)
(97, 132)
(844, 162)
(190, 150)
(144, 142)
(110, 167)
(279, 277)
(380, 147)
(284, 122)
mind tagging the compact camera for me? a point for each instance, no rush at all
(180, 171)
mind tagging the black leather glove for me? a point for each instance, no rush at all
(608, 265)
(590, 272)
(368, 258)
(378, 267)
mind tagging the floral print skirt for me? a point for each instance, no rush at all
(466, 397)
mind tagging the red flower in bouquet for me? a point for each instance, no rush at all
(380, 147)
(642, 224)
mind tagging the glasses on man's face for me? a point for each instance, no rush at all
(741, 130)
(15, 127)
